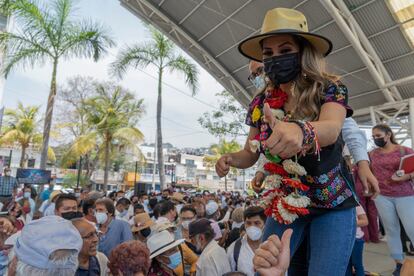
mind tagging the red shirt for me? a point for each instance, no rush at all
(384, 165)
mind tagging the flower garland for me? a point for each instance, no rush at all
(284, 199)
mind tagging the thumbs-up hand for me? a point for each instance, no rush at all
(272, 258)
(286, 139)
(223, 165)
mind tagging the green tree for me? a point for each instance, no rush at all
(160, 53)
(48, 34)
(227, 120)
(114, 113)
(22, 127)
(217, 150)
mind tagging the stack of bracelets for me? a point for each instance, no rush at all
(310, 137)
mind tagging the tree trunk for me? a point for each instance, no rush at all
(225, 183)
(106, 169)
(159, 133)
(22, 157)
(49, 116)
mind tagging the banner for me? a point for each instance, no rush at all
(33, 176)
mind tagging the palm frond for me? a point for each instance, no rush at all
(51, 155)
(137, 56)
(130, 134)
(182, 65)
(85, 39)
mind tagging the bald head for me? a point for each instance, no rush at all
(89, 236)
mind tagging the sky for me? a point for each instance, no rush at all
(180, 110)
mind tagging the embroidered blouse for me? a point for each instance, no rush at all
(331, 185)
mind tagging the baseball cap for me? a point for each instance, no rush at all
(198, 227)
(211, 208)
(40, 238)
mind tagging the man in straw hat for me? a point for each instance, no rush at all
(142, 227)
(313, 105)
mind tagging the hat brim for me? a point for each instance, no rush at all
(166, 248)
(148, 224)
(252, 49)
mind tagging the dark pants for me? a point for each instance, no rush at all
(371, 231)
(356, 260)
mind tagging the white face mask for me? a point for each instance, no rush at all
(186, 223)
(101, 217)
(254, 233)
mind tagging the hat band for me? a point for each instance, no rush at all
(159, 249)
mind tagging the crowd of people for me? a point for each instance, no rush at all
(315, 206)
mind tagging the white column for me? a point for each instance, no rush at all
(411, 120)
(372, 113)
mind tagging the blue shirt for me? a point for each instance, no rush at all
(355, 139)
(7, 185)
(118, 232)
(45, 194)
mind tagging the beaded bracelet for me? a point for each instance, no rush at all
(309, 137)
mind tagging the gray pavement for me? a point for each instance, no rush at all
(377, 259)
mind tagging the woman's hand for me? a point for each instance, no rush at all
(257, 182)
(286, 139)
(223, 165)
(396, 178)
(368, 180)
(272, 258)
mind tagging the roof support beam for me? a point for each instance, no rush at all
(355, 40)
(199, 49)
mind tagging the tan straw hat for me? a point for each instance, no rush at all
(283, 21)
(142, 221)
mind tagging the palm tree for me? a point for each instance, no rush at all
(48, 35)
(160, 53)
(113, 113)
(22, 128)
(223, 147)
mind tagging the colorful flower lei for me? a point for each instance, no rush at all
(283, 199)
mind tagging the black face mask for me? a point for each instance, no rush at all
(72, 215)
(282, 69)
(380, 142)
(145, 232)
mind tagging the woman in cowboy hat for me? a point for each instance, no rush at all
(311, 106)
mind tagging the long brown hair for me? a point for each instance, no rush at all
(387, 130)
(311, 83)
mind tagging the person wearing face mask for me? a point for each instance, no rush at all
(144, 200)
(122, 209)
(8, 186)
(241, 252)
(396, 200)
(300, 114)
(187, 215)
(66, 206)
(213, 260)
(166, 255)
(112, 231)
(141, 228)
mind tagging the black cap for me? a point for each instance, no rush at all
(198, 227)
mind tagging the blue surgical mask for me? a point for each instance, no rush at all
(123, 213)
(146, 201)
(4, 262)
(26, 195)
(259, 82)
(175, 260)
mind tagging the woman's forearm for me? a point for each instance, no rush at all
(327, 132)
(243, 159)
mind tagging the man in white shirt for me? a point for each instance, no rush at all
(241, 252)
(213, 260)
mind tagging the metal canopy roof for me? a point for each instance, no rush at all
(370, 47)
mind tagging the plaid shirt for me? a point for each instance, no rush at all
(7, 185)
